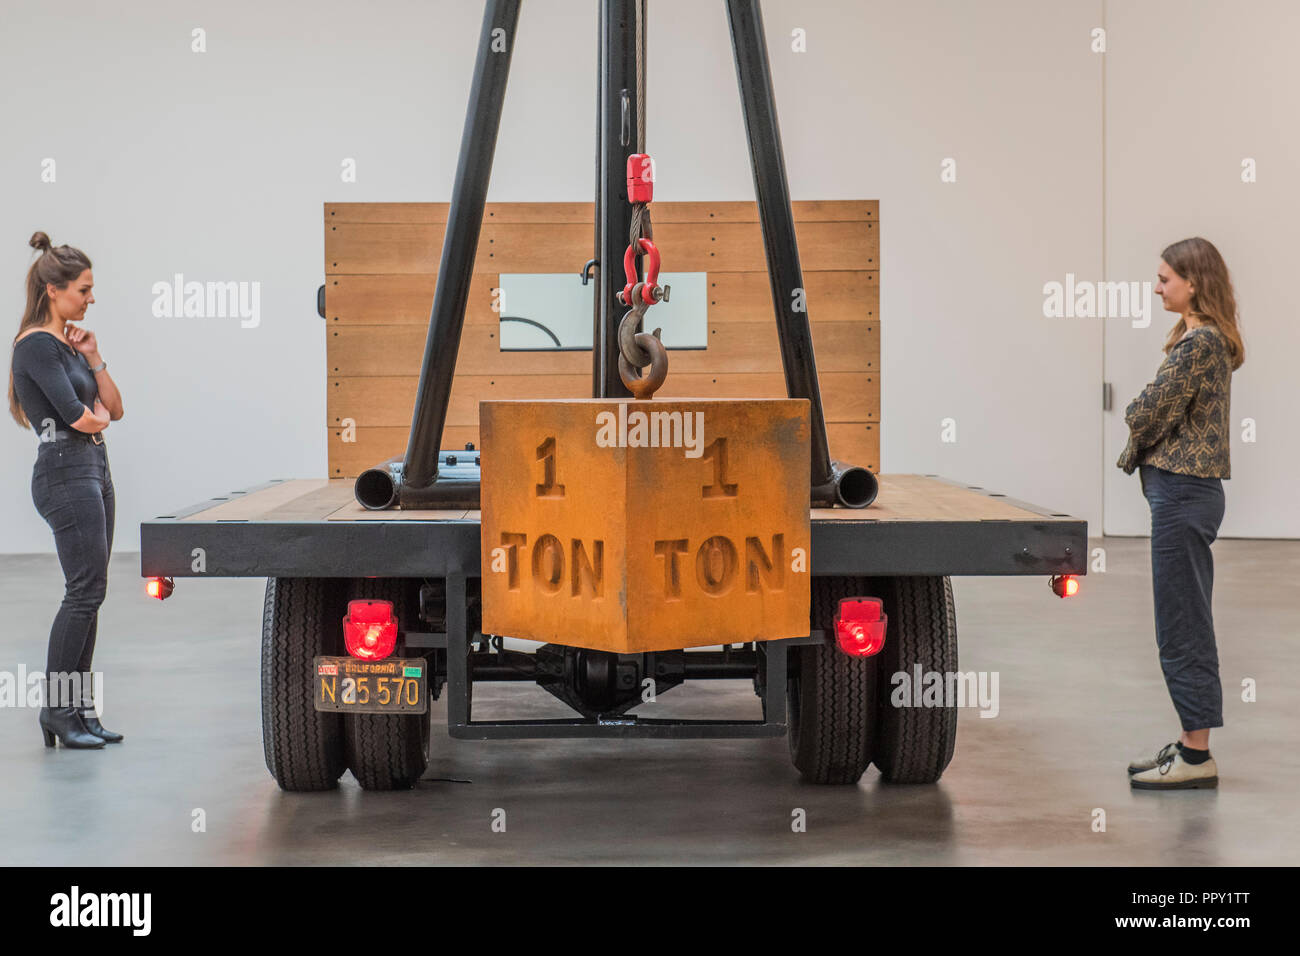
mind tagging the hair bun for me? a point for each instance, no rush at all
(40, 241)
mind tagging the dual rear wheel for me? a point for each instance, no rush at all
(308, 749)
(848, 712)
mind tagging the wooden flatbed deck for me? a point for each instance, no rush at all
(919, 524)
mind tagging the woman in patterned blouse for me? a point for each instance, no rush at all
(1179, 430)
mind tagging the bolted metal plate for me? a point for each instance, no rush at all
(627, 525)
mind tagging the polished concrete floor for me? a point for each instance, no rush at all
(1080, 691)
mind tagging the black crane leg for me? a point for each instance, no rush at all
(832, 483)
(464, 221)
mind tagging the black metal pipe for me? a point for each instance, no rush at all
(597, 313)
(699, 665)
(720, 670)
(850, 485)
(503, 665)
(457, 485)
(376, 488)
(464, 221)
(613, 214)
(758, 103)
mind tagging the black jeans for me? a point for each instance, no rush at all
(73, 491)
(1186, 512)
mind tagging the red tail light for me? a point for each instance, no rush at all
(370, 630)
(1064, 585)
(860, 626)
(160, 588)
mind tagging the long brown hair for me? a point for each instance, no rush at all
(57, 265)
(1197, 261)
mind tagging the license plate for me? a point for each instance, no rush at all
(352, 686)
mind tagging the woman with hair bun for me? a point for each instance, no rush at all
(59, 386)
(1179, 429)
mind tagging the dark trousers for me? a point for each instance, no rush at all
(1186, 512)
(72, 488)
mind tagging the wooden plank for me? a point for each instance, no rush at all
(830, 296)
(805, 210)
(855, 443)
(313, 506)
(754, 347)
(436, 212)
(254, 504)
(380, 400)
(733, 347)
(351, 511)
(390, 400)
(402, 299)
(738, 247)
(850, 396)
(921, 498)
(407, 299)
(412, 248)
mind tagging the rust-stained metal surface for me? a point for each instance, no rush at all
(645, 525)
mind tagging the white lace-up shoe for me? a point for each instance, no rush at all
(1175, 773)
(1148, 763)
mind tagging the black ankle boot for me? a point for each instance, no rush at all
(65, 723)
(95, 727)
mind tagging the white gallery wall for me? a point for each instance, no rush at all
(215, 165)
(1198, 94)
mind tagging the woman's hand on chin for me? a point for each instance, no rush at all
(83, 340)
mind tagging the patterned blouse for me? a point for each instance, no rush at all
(1181, 420)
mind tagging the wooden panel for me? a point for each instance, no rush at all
(853, 443)
(733, 297)
(436, 212)
(412, 248)
(380, 287)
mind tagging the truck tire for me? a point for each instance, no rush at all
(303, 747)
(915, 744)
(387, 751)
(832, 696)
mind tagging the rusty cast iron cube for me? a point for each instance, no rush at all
(628, 526)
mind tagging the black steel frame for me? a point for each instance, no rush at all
(417, 483)
(461, 724)
(1048, 544)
